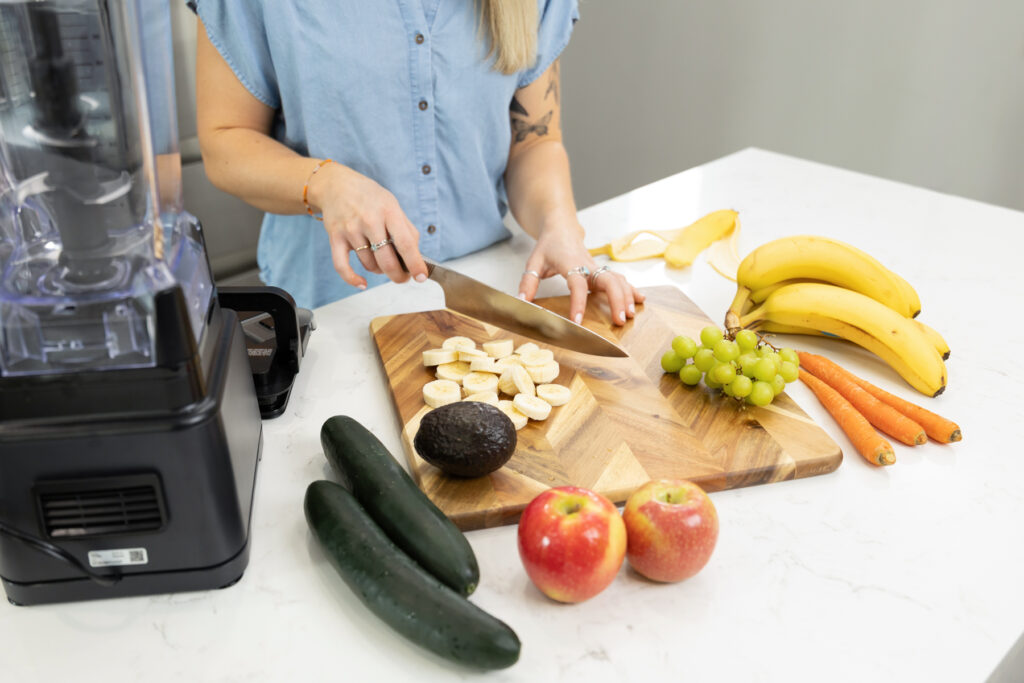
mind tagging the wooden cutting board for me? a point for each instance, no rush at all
(627, 422)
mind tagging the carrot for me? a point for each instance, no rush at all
(935, 426)
(882, 415)
(867, 441)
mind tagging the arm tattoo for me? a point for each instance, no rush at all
(522, 129)
(517, 107)
(553, 82)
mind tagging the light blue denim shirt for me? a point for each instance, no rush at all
(398, 90)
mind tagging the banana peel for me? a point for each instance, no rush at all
(678, 247)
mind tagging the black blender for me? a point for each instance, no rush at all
(130, 431)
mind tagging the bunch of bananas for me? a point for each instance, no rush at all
(815, 285)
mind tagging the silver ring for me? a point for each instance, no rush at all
(380, 245)
(578, 270)
(365, 246)
(598, 273)
(532, 272)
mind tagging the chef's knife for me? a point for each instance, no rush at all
(470, 297)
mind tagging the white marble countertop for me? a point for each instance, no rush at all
(907, 573)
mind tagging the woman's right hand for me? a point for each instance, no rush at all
(359, 213)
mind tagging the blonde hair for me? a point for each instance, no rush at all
(512, 32)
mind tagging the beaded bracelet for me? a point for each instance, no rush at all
(305, 189)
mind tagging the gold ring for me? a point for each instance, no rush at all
(380, 245)
(532, 272)
(365, 246)
(578, 270)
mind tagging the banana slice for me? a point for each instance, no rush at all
(439, 356)
(459, 344)
(537, 357)
(479, 382)
(453, 371)
(499, 348)
(542, 374)
(532, 407)
(441, 392)
(484, 365)
(505, 383)
(521, 378)
(528, 346)
(484, 397)
(502, 363)
(469, 355)
(555, 394)
(518, 419)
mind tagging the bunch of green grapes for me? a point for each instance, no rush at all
(746, 368)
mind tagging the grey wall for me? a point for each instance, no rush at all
(928, 92)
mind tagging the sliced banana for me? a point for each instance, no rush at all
(542, 374)
(555, 394)
(521, 378)
(499, 348)
(439, 356)
(469, 355)
(537, 357)
(484, 397)
(459, 344)
(505, 383)
(532, 407)
(518, 419)
(502, 363)
(479, 382)
(484, 365)
(528, 346)
(441, 392)
(453, 371)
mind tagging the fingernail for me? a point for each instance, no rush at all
(522, 295)
(622, 317)
(421, 277)
(632, 309)
(361, 286)
(578, 318)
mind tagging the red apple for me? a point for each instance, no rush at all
(672, 527)
(572, 542)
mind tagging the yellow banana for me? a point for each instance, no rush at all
(692, 239)
(855, 317)
(770, 326)
(937, 341)
(812, 257)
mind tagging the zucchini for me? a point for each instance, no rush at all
(400, 591)
(394, 501)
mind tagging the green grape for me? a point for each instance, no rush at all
(726, 350)
(684, 347)
(723, 374)
(671, 362)
(741, 386)
(747, 340)
(761, 394)
(764, 370)
(690, 375)
(746, 362)
(704, 360)
(789, 371)
(764, 351)
(727, 390)
(776, 360)
(710, 336)
(778, 384)
(791, 356)
(711, 383)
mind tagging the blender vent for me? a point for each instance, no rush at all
(96, 507)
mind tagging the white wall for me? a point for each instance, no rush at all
(928, 92)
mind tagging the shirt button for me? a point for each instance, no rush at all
(426, 169)
(423, 105)
(419, 39)
(431, 229)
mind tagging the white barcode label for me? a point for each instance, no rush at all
(118, 557)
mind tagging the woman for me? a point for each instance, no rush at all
(373, 130)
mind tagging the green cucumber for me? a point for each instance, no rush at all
(394, 501)
(399, 590)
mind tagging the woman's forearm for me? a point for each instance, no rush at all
(539, 188)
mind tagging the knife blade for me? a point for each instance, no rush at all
(473, 298)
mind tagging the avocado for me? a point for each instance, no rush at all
(466, 438)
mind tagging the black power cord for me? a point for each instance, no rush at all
(59, 553)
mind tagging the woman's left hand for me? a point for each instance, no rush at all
(561, 252)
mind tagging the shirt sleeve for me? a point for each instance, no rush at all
(236, 29)
(556, 23)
